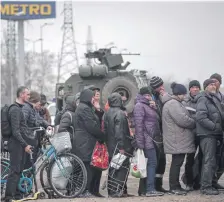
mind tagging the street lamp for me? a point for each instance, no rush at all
(42, 65)
(34, 42)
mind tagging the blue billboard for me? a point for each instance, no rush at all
(27, 10)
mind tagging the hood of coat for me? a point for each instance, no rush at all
(140, 98)
(86, 96)
(70, 103)
(115, 100)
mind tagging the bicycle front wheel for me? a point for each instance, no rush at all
(67, 175)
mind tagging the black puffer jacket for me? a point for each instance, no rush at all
(67, 117)
(87, 127)
(208, 116)
(18, 124)
(116, 126)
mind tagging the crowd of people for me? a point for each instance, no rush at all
(185, 125)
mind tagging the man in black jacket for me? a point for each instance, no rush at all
(219, 98)
(209, 130)
(87, 133)
(17, 145)
(118, 134)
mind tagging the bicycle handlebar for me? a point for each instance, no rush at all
(37, 128)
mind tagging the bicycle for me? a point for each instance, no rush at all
(59, 172)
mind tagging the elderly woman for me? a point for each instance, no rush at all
(147, 127)
(178, 137)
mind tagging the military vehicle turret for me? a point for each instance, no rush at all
(108, 74)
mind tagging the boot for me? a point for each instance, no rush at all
(209, 191)
(159, 184)
(218, 186)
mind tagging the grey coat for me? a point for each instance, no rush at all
(177, 123)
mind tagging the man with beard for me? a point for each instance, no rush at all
(209, 130)
(191, 101)
(160, 96)
(219, 98)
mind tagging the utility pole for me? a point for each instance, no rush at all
(59, 69)
(68, 58)
(42, 55)
(21, 52)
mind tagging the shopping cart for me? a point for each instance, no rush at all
(118, 171)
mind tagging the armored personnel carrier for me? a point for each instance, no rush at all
(108, 74)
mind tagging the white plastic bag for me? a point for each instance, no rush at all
(61, 141)
(117, 160)
(59, 181)
(139, 164)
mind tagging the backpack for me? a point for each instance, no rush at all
(6, 130)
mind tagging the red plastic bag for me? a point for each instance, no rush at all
(100, 157)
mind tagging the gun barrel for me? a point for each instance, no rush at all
(130, 54)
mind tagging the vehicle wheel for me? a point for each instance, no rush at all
(124, 85)
(66, 172)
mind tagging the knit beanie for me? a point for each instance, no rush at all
(145, 90)
(207, 82)
(34, 97)
(156, 82)
(178, 89)
(194, 83)
(216, 76)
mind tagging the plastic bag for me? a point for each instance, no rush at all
(61, 142)
(100, 157)
(139, 164)
(117, 160)
(58, 179)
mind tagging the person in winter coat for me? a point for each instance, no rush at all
(210, 131)
(17, 145)
(66, 123)
(159, 96)
(220, 99)
(87, 133)
(118, 136)
(147, 126)
(178, 137)
(191, 102)
(33, 120)
(43, 111)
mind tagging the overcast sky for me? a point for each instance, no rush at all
(179, 39)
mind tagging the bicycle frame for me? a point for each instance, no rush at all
(48, 154)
